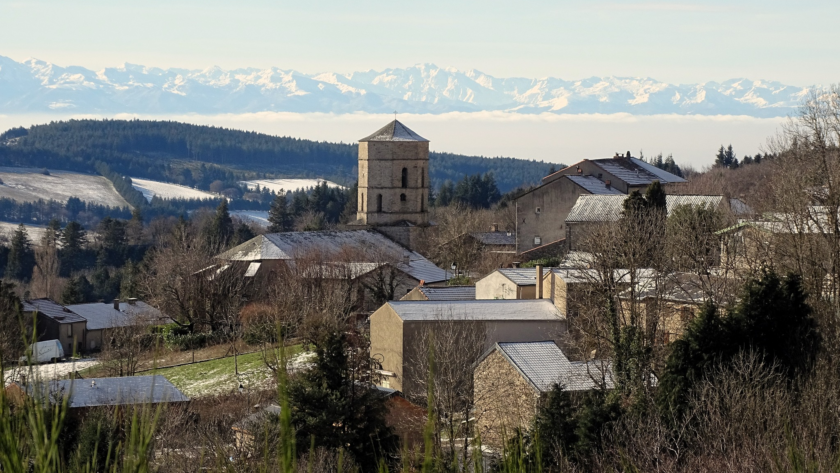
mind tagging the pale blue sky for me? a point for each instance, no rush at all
(793, 42)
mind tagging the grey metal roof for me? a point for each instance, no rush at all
(52, 310)
(369, 245)
(594, 185)
(608, 208)
(93, 392)
(495, 238)
(100, 315)
(449, 293)
(394, 131)
(739, 207)
(635, 172)
(520, 276)
(481, 310)
(543, 364)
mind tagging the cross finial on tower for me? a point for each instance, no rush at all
(395, 115)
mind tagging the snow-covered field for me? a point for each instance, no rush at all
(49, 371)
(260, 217)
(166, 190)
(35, 232)
(29, 185)
(278, 185)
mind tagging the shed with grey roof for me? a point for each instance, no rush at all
(102, 317)
(511, 381)
(95, 392)
(397, 328)
(57, 322)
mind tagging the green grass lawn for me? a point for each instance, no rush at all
(218, 376)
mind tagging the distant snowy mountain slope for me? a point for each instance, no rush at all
(38, 86)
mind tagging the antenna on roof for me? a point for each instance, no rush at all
(395, 115)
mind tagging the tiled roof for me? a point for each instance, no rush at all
(594, 185)
(100, 315)
(608, 208)
(93, 392)
(495, 238)
(368, 244)
(52, 310)
(449, 293)
(482, 310)
(543, 364)
(394, 131)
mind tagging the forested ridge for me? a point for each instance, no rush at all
(197, 155)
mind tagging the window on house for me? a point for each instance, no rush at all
(537, 240)
(405, 178)
(537, 211)
(402, 197)
(379, 202)
(69, 330)
(423, 177)
(362, 203)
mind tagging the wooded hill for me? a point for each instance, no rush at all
(197, 155)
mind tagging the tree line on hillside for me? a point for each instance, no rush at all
(163, 150)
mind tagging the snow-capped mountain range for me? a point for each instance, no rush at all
(38, 86)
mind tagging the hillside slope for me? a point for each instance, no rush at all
(196, 156)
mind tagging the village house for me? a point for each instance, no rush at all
(511, 381)
(56, 322)
(397, 331)
(102, 317)
(541, 212)
(443, 293)
(357, 255)
(591, 211)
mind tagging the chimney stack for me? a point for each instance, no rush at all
(422, 282)
(539, 281)
(494, 227)
(116, 304)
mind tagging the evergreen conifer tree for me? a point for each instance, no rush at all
(72, 242)
(220, 230)
(279, 218)
(21, 256)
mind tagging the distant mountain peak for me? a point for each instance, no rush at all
(34, 85)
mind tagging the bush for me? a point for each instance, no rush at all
(190, 341)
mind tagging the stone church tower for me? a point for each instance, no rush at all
(393, 177)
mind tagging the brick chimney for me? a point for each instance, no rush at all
(116, 304)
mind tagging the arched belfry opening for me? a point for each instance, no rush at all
(389, 161)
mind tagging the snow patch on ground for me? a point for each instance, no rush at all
(48, 371)
(288, 185)
(166, 190)
(260, 217)
(30, 185)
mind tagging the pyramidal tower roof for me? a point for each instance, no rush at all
(394, 131)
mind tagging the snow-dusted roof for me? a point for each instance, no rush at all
(365, 243)
(520, 276)
(52, 310)
(449, 293)
(93, 392)
(495, 238)
(594, 185)
(481, 310)
(394, 131)
(543, 364)
(608, 208)
(635, 172)
(100, 315)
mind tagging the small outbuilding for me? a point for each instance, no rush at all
(97, 392)
(56, 322)
(102, 317)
